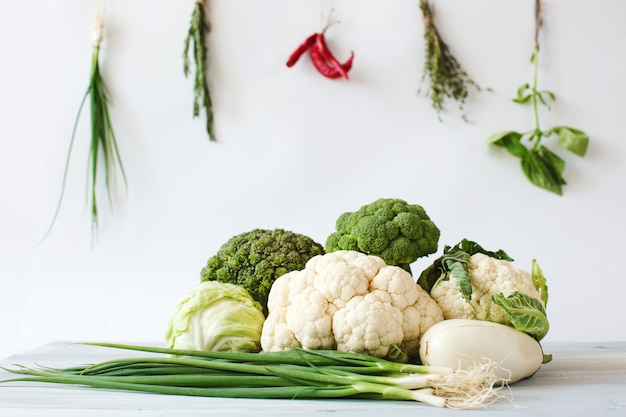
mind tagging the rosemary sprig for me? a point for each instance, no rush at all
(103, 149)
(198, 30)
(541, 166)
(447, 78)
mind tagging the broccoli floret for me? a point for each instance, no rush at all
(390, 228)
(256, 258)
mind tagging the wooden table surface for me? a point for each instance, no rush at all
(583, 379)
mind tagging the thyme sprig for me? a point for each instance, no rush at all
(541, 166)
(103, 149)
(448, 80)
(197, 33)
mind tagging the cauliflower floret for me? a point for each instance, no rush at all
(277, 336)
(488, 276)
(349, 301)
(368, 324)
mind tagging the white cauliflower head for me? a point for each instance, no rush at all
(349, 301)
(488, 276)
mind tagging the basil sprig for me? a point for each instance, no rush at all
(542, 166)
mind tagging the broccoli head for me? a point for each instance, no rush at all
(390, 228)
(254, 259)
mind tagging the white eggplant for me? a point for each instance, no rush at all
(463, 343)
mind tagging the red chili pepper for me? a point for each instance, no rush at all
(320, 44)
(327, 69)
(304, 46)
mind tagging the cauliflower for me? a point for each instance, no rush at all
(349, 301)
(489, 276)
(468, 282)
(390, 228)
(254, 259)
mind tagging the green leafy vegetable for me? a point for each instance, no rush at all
(292, 374)
(216, 316)
(198, 30)
(539, 164)
(103, 150)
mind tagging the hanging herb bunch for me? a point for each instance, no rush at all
(541, 166)
(448, 80)
(103, 151)
(198, 31)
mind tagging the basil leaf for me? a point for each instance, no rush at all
(542, 99)
(541, 172)
(511, 141)
(524, 93)
(526, 314)
(539, 282)
(555, 161)
(573, 140)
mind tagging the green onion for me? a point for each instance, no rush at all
(103, 146)
(198, 30)
(281, 375)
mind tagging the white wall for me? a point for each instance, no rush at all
(295, 150)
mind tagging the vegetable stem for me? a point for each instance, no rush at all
(537, 134)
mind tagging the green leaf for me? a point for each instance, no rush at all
(458, 265)
(541, 172)
(573, 140)
(511, 141)
(526, 314)
(524, 93)
(550, 94)
(539, 282)
(541, 96)
(472, 248)
(557, 163)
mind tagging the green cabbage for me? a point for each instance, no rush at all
(216, 316)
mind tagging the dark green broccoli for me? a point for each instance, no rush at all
(390, 228)
(256, 258)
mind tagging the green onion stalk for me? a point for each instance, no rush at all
(197, 34)
(293, 374)
(103, 149)
(448, 80)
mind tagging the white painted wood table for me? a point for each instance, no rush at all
(587, 380)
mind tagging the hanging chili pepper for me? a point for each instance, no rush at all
(323, 60)
(304, 46)
(328, 60)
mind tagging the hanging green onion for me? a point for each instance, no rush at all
(103, 150)
(198, 31)
(295, 374)
(447, 77)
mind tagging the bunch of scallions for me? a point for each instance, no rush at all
(293, 374)
(103, 150)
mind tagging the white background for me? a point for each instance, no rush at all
(295, 150)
